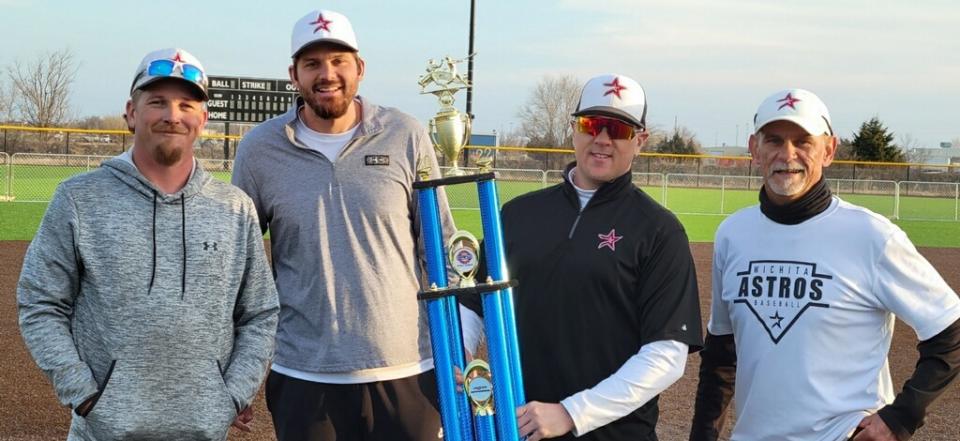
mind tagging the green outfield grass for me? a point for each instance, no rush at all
(700, 209)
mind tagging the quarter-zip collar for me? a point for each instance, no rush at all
(605, 193)
(369, 124)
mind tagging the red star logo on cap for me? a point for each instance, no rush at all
(321, 24)
(615, 87)
(788, 100)
(178, 62)
(609, 240)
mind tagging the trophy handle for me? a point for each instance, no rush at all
(432, 131)
(467, 129)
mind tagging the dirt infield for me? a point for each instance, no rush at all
(29, 410)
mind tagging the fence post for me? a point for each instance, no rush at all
(896, 200)
(666, 178)
(5, 141)
(956, 202)
(699, 163)
(66, 143)
(723, 187)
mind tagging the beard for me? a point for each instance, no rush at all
(167, 154)
(169, 151)
(332, 108)
(789, 185)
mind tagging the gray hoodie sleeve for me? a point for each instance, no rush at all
(48, 287)
(255, 317)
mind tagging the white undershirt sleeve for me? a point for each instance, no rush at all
(642, 377)
(472, 327)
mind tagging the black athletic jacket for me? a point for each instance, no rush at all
(595, 286)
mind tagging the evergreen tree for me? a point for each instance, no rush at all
(874, 143)
(680, 142)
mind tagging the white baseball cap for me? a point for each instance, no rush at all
(170, 63)
(322, 26)
(798, 106)
(615, 96)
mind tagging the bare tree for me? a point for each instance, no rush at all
(104, 122)
(6, 103)
(545, 117)
(42, 88)
(514, 137)
(911, 146)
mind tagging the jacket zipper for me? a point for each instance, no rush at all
(574, 227)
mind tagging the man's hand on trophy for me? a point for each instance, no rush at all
(537, 420)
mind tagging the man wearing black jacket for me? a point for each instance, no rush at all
(607, 307)
(805, 290)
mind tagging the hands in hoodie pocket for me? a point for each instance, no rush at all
(162, 399)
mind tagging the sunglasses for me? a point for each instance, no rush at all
(164, 68)
(593, 125)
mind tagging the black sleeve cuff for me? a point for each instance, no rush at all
(937, 367)
(894, 419)
(718, 368)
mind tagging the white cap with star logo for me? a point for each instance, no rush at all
(322, 26)
(798, 106)
(614, 96)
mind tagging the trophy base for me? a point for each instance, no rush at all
(454, 171)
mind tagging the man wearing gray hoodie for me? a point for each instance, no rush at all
(145, 296)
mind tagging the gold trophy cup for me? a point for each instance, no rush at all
(449, 129)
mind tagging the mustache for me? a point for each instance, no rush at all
(162, 127)
(327, 83)
(782, 166)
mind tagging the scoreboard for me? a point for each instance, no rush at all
(248, 100)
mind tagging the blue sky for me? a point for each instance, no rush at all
(707, 63)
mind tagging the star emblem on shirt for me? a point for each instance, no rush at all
(776, 316)
(788, 100)
(609, 240)
(322, 24)
(615, 87)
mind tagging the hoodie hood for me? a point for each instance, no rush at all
(128, 174)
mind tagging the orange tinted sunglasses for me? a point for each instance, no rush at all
(593, 125)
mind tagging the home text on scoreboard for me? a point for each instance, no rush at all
(248, 100)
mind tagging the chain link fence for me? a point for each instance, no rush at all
(35, 176)
(32, 177)
(4, 177)
(929, 200)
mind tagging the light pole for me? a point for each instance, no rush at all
(473, 28)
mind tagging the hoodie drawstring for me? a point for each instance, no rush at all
(153, 269)
(183, 238)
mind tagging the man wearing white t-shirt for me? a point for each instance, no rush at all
(806, 288)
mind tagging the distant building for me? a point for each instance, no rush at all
(725, 150)
(935, 156)
(484, 140)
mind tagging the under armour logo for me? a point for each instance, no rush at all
(209, 245)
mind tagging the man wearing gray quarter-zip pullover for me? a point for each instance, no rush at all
(332, 181)
(145, 296)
